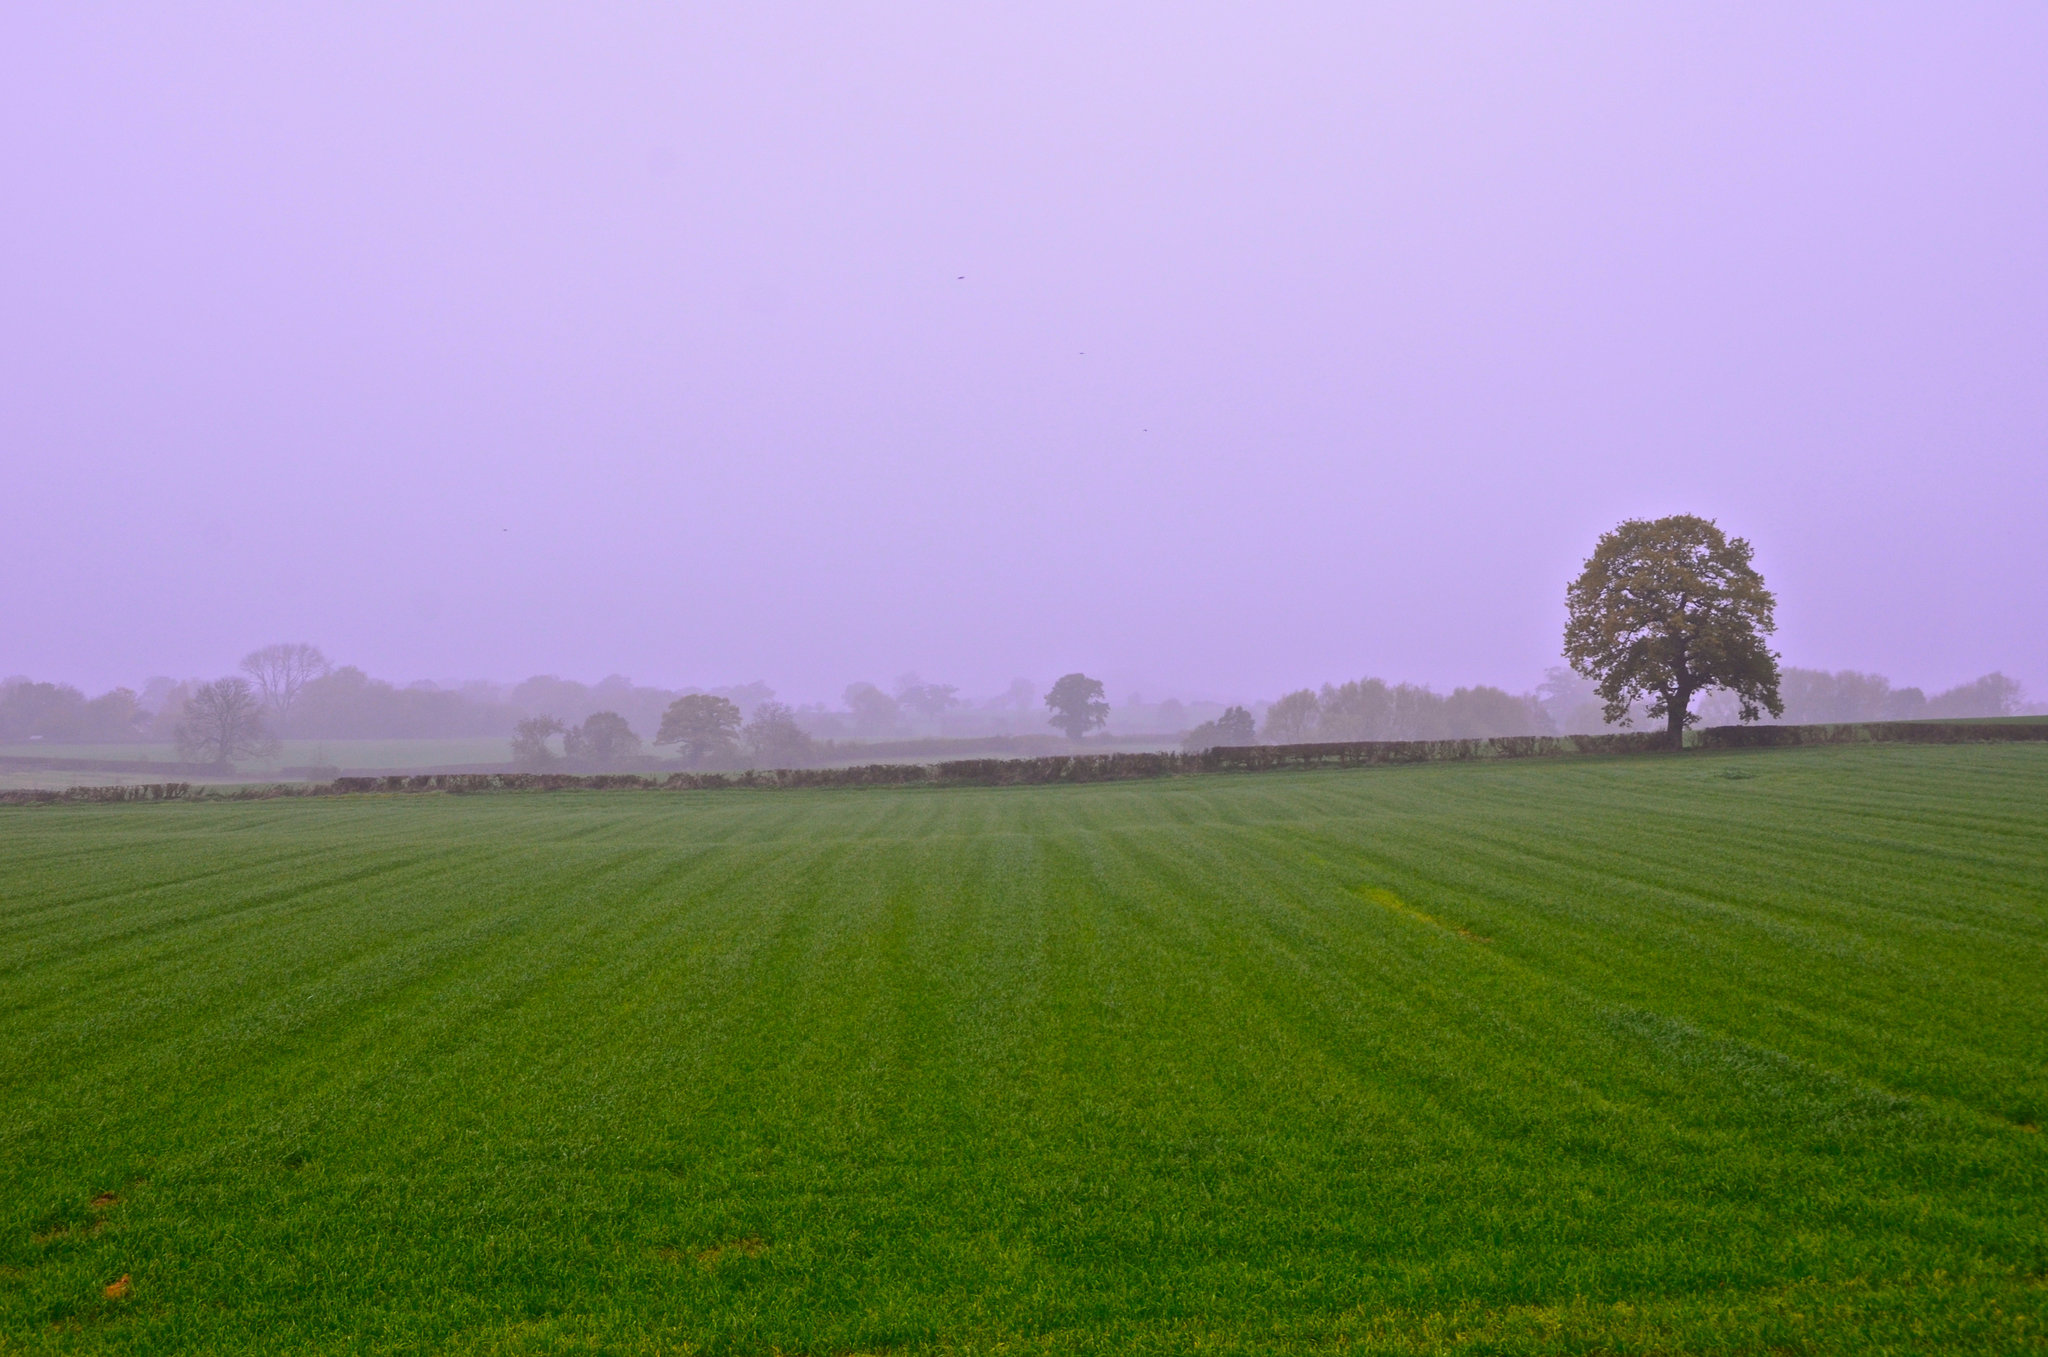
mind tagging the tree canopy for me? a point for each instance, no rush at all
(706, 728)
(1232, 730)
(281, 670)
(58, 711)
(875, 713)
(602, 741)
(530, 742)
(1292, 719)
(1077, 705)
(223, 722)
(1666, 609)
(774, 739)
(929, 700)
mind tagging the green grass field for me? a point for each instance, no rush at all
(1741, 1052)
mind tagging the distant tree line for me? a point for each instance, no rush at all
(60, 713)
(1566, 704)
(1815, 697)
(708, 732)
(1810, 696)
(562, 725)
(1373, 709)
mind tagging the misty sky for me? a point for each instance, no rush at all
(1215, 350)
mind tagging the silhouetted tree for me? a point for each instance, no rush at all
(348, 704)
(707, 728)
(1666, 609)
(1292, 719)
(775, 740)
(223, 722)
(1359, 710)
(115, 715)
(602, 741)
(282, 670)
(166, 698)
(42, 711)
(1232, 730)
(929, 700)
(1992, 695)
(1571, 702)
(58, 712)
(1018, 697)
(1077, 705)
(874, 712)
(530, 750)
(1483, 712)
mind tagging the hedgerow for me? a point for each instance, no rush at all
(1065, 768)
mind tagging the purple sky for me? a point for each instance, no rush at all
(1216, 351)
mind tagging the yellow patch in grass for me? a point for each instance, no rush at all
(1389, 900)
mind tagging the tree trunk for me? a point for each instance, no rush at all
(1675, 709)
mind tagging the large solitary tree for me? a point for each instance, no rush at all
(1077, 705)
(1666, 609)
(223, 722)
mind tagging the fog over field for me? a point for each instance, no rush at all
(1216, 352)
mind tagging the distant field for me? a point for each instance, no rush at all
(346, 755)
(356, 756)
(1738, 1052)
(25, 779)
(855, 753)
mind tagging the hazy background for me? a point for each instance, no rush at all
(1211, 350)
